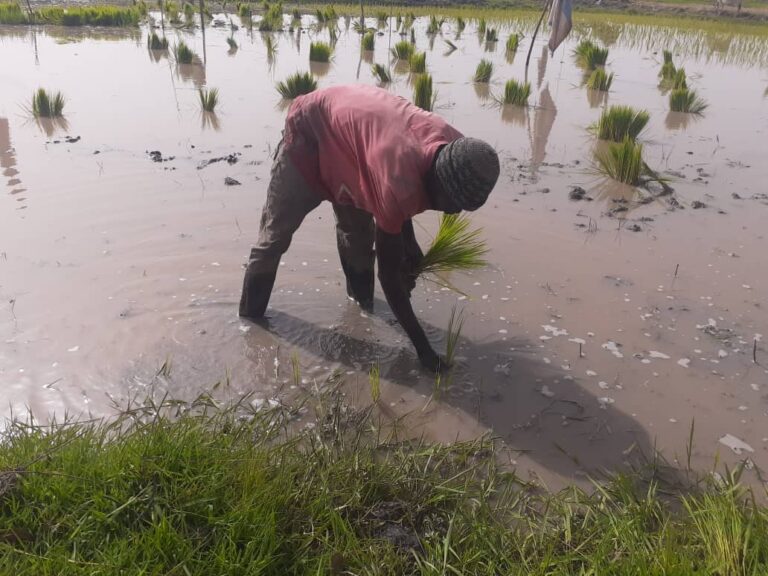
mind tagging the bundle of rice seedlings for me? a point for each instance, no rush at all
(369, 40)
(423, 96)
(667, 56)
(382, 18)
(513, 42)
(667, 72)
(183, 53)
(189, 12)
(455, 248)
(484, 71)
(582, 48)
(381, 74)
(296, 15)
(244, 11)
(599, 80)
(320, 16)
(460, 24)
(231, 43)
(403, 50)
(209, 99)
(319, 52)
(679, 80)
(296, 85)
(154, 42)
(622, 161)
(47, 104)
(685, 100)
(413, 36)
(516, 93)
(481, 27)
(491, 35)
(333, 36)
(418, 62)
(589, 55)
(434, 26)
(619, 123)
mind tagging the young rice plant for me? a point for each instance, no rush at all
(47, 104)
(622, 161)
(381, 74)
(685, 100)
(618, 123)
(418, 62)
(484, 72)
(156, 43)
(599, 80)
(296, 85)
(209, 98)
(183, 53)
(516, 93)
(423, 96)
(403, 50)
(513, 42)
(369, 41)
(319, 52)
(455, 248)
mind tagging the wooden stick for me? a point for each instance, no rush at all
(536, 32)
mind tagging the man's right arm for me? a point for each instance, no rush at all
(390, 251)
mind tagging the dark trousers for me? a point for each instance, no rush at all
(289, 200)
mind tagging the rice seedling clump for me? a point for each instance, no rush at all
(516, 93)
(381, 74)
(599, 80)
(319, 52)
(403, 50)
(418, 62)
(232, 43)
(423, 96)
(455, 248)
(156, 43)
(618, 123)
(622, 161)
(89, 16)
(11, 13)
(296, 85)
(484, 72)
(491, 35)
(685, 100)
(47, 104)
(183, 53)
(481, 26)
(369, 40)
(513, 42)
(209, 99)
(589, 55)
(460, 24)
(434, 25)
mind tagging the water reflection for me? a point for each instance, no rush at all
(514, 114)
(194, 73)
(679, 120)
(319, 69)
(542, 65)
(482, 91)
(8, 164)
(210, 120)
(596, 98)
(51, 125)
(543, 121)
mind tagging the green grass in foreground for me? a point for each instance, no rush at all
(225, 492)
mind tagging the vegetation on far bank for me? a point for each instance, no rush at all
(200, 489)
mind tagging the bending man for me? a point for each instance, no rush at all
(379, 160)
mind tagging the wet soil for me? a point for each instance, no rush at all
(607, 324)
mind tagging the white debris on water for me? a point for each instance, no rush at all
(545, 337)
(603, 385)
(502, 331)
(577, 340)
(605, 401)
(684, 362)
(545, 391)
(755, 387)
(722, 353)
(554, 330)
(735, 444)
(591, 373)
(613, 348)
(244, 329)
(657, 354)
(743, 408)
(73, 349)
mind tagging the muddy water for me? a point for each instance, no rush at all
(603, 327)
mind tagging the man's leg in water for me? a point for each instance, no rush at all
(355, 233)
(289, 200)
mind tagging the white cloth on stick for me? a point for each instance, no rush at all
(560, 22)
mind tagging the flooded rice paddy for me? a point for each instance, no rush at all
(604, 327)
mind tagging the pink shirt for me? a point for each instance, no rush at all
(366, 147)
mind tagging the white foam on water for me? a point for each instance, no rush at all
(684, 362)
(657, 354)
(613, 348)
(735, 444)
